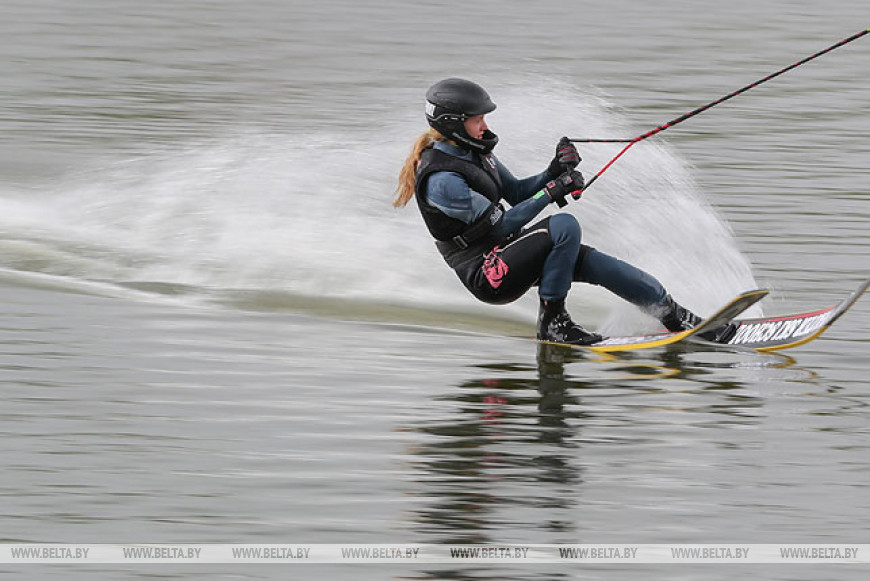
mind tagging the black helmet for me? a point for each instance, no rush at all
(450, 102)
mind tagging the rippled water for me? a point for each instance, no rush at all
(217, 330)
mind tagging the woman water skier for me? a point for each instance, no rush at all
(459, 185)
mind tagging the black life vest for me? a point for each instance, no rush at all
(457, 241)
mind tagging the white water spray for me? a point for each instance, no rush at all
(311, 215)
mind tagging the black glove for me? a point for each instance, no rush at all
(567, 158)
(570, 182)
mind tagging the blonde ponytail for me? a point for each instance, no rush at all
(405, 189)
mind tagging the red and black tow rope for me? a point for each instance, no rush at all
(703, 108)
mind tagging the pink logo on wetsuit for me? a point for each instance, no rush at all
(494, 268)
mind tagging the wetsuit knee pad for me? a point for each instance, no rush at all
(564, 228)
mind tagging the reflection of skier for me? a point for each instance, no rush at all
(459, 186)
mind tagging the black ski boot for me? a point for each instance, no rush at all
(675, 318)
(555, 325)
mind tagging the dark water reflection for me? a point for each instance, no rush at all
(508, 465)
(512, 463)
(503, 440)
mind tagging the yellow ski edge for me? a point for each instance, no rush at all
(750, 297)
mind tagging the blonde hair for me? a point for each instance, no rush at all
(407, 175)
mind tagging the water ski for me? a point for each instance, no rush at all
(635, 342)
(786, 331)
(760, 334)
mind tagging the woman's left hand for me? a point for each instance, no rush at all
(567, 158)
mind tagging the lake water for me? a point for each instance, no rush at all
(216, 329)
